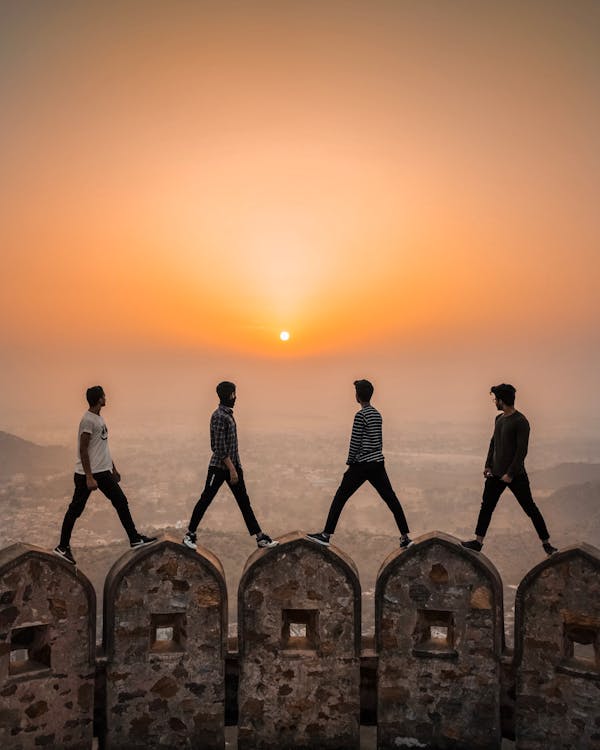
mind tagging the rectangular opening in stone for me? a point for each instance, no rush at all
(434, 633)
(299, 629)
(167, 632)
(29, 649)
(582, 645)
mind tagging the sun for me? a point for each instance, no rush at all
(284, 336)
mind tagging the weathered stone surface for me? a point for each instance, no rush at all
(299, 639)
(49, 626)
(439, 633)
(169, 692)
(558, 682)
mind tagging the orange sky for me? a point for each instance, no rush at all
(198, 176)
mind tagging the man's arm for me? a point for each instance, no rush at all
(358, 427)
(522, 443)
(219, 432)
(84, 453)
(487, 472)
(115, 473)
(233, 475)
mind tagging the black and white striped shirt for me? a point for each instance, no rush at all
(366, 441)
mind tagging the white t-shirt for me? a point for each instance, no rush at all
(98, 450)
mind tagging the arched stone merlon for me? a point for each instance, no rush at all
(557, 652)
(47, 651)
(299, 648)
(439, 632)
(165, 636)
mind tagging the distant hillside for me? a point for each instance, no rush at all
(18, 456)
(565, 474)
(576, 508)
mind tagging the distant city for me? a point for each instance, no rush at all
(291, 477)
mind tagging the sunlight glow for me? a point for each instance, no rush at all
(284, 336)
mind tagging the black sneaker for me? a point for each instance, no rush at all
(190, 540)
(65, 553)
(141, 541)
(405, 542)
(549, 549)
(320, 537)
(473, 544)
(264, 541)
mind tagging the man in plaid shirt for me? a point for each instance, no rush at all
(225, 466)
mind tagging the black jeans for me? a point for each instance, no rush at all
(520, 488)
(214, 480)
(109, 487)
(356, 475)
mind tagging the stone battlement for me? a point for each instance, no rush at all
(438, 674)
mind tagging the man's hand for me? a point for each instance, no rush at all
(91, 483)
(116, 476)
(233, 476)
(506, 478)
(487, 472)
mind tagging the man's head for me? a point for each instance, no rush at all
(226, 393)
(364, 390)
(94, 395)
(504, 394)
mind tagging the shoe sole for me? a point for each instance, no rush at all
(406, 546)
(62, 557)
(268, 546)
(189, 545)
(317, 541)
(137, 545)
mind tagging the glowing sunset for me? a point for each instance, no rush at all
(283, 252)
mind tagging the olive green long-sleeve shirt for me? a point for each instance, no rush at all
(508, 446)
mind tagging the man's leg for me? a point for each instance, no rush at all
(214, 479)
(378, 477)
(109, 487)
(353, 477)
(241, 495)
(522, 491)
(492, 490)
(75, 509)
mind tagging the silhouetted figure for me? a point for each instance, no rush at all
(95, 470)
(365, 464)
(505, 467)
(225, 466)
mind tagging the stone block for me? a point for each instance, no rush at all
(165, 633)
(557, 652)
(47, 651)
(439, 635)
(299, 641)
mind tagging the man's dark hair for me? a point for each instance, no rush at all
(94, 394)
(504, 392)
(224, 391)
(364, 389)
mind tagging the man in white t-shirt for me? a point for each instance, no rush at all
(95, 469)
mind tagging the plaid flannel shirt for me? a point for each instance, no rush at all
(223, 437)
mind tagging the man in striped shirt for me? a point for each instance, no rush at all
(365, 464)
(225, 466)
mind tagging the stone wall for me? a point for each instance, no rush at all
(47, 651)
(557, 653)
(165, 643)
(299, 641)
(437, 674)
(439, 633)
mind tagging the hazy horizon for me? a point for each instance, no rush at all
(409, 189)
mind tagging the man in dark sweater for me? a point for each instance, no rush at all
(505, 467)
